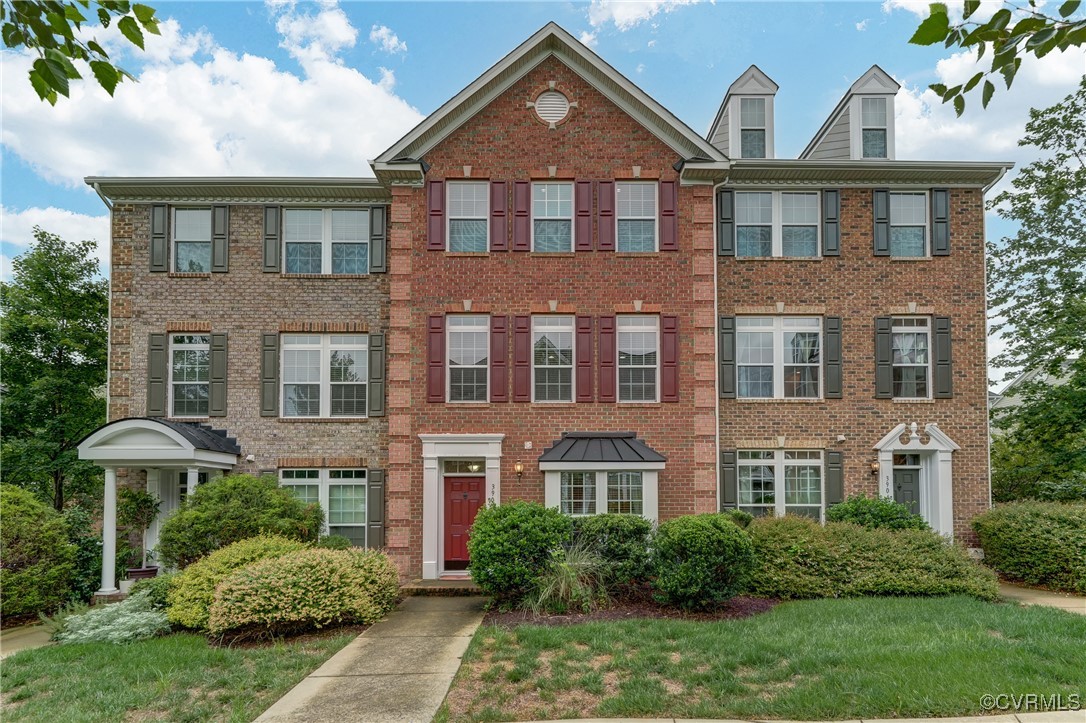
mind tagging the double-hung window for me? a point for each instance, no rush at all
(469, 209)
(908, 224)
(578, 493)
(591, 493)
(776, 223)
(326, 241)
(469, 357)
(752, 128)
(778, 356)
(325, 375)
(552, 358)
(341, 493)
(192, 240)
(873, 128)
(190, 373)
(552, 217)
(779, 482)
(638, 364)
(911, 348)
(635, 208)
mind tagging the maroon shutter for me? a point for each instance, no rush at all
(669, 358)
(435, 372)
(435, 211)
(669, 217)
(584, 359)
(582, 210)
(522, 219)
(499, 217)
(608, 378)
(499, 359)
(606, 216)
(522, 358)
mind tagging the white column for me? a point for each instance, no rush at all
(109, 534)
(432, 519)
(154, 487)
(193, 479)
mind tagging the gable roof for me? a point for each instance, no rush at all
(875, 81)
(550, 41)
(752, 82)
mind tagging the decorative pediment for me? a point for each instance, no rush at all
(875, 81)
(753, 82)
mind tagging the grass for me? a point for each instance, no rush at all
(810, 660)
(177, 678)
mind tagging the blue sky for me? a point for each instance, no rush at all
(261, 88)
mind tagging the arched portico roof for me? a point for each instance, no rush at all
(150, 442)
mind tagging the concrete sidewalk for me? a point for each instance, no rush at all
(1062, 716)
(1030, 596)
(398, 670)
(24, 637)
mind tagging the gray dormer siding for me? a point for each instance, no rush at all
(836, 144)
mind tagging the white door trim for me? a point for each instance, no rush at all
(936, 471)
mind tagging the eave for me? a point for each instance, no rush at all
(801, 172)
(241, 189)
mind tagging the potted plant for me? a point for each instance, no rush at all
(138, 509)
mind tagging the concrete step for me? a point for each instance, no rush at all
(461, 587)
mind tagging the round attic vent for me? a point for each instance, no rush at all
(551, 106)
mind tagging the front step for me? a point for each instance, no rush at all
(442, 588)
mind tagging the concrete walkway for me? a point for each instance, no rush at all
(1029, 596)
(398, 670)
(1062, 716)
(22, 638)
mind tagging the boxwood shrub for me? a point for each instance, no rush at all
(799, 558)
(511, 545)
(38, 561)
(157, 588)
(701, 560)
(1040, 543)
(876, 512)
(621, 541)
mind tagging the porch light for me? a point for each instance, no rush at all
(875, 466)
(519, 469)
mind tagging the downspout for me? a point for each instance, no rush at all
(109, 301)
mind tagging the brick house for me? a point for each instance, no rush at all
(555, 290)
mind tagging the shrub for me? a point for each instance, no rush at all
(575, 579)
(132, 619)
(621, 541)
(87, 562)
(157, 588)
(701, 560)
(876, 512)
(799, 558)
(234, 508)
(38, 561)
(334, 542)
(739, 517)
(191, 593)
(304, 590)
(511, 545)
(1040, 543)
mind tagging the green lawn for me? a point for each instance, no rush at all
(810, 660)
(178, 678)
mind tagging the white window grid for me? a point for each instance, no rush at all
(784, 223)
(638, 367)
(753, 128)
(335, 367)
(625, 493)
(603, 491)
(636, 220)
(190, 375)
(467, 344)
(874, 125)
(774, 353)
(191, 233)
(553, 357)
(467, 216)
(326, 241)
(780, 482)
(552, 217)
(341, 493)
(578, 493)
(910, 342)
(909, 224)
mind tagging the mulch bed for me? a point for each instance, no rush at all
(15, 621)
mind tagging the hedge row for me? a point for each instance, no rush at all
(1040, 543)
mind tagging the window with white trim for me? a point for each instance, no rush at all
(909, 224)
(778, 356)
(578, 493)
(635, 210)
(911, 348)
(752, 128)
(594, 493)
(874, 136)
(190, 374)
(625, 493)
(341, 493)
(638, 363)
(552, 217)
(468, 345)
(776, 223)
(192, 240)
(324, 375)
(780, 482)
(468, 214)
(552, 358)
(326, 241)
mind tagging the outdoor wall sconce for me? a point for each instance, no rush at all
(875, 466)
(519, 469)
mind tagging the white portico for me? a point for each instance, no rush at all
(930, 453)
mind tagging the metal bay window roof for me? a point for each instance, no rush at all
(592, 447)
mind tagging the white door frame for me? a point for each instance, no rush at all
(936, 471)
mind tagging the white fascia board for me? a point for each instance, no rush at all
(600, 466)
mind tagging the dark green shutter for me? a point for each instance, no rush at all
(269, 376)
(729, 485)
(944, 368)
(272, 236)
(217, 403)
(725, 222)
(831, 223)
(940, 222)
(375, 508)
(378, 240)
(835, 478)
(832, 356)
(160, 225)
(726, 357)
(375, 395)
(220, 239)
(884, 358)
(157, 370)
(880, 203)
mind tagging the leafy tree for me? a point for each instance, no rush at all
(51, 28)
(1033, 33)
(53, 355)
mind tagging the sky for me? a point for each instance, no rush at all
(317, 89)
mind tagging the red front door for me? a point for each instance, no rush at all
(463, 498)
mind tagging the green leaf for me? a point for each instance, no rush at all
(959, 105)
(972, 82)
(131, 30)
(94, 47)
(933, 30)
(986, 94)
(12, 35)
(1040, 38)
(41, 87)
(144, 13)
(104, 17)
(1009, 70)
(58, 59)
(106, 75)
(1000, 20)
(53, 74)
(1069, 8)
(938, 88)
(970, 8)
(950, 93)
(72, 13)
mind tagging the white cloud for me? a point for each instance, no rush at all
(383, 37)
(955, 8)
(640, 67)
(17, 231)
(626, 14)
(652, 44)
(589, 39)
(201, 109)
(862, 25)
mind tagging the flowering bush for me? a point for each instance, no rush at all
(304, 590)
(190, 594)
(134, 618)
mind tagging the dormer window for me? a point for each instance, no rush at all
(752, 128)
(873, 129)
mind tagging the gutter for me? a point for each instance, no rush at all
(997, 179)
(98, 189)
